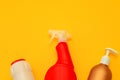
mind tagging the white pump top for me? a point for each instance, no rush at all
(61, 35)
(105, 59)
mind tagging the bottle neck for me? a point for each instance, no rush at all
(63, 54)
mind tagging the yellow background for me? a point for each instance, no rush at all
(24, 25)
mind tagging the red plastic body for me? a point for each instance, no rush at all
(63, 69)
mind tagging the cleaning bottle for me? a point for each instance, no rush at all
(63, 69)
(21, 70)
(102, 71)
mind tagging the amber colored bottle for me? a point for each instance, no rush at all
(102, 71)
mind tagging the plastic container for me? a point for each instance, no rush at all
(102, 71)
(63, 69)
(21, 70)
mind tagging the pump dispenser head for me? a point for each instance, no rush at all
(61, 35)
(105, 59)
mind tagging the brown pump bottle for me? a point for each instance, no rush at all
(102, 71)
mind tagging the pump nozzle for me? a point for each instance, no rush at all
(61, 35)
(105, 59)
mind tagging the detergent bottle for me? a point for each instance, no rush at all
(63, 69)
(21, 70)
(102, 71)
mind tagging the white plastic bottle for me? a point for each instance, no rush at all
(21, 70)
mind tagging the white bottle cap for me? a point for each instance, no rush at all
(61, 35)
(21, 70)
(105, 59)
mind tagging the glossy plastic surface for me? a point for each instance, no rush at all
(63, 69)
(100, 72)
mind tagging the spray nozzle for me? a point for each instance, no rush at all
(61, 35)
(105, 59)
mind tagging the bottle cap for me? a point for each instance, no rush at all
(21, 70)
(105, 59)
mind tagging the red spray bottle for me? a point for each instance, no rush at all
(63, 69)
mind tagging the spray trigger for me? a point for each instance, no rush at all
(61, 35)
